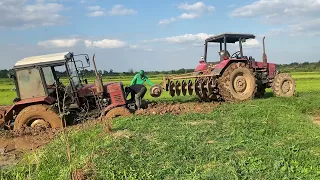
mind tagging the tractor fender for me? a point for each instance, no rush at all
(18, 106)
(219, 68)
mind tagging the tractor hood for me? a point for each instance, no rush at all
(91, 89)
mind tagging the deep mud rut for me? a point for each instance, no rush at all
(13, 144)
(177, 108)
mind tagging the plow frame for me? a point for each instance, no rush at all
(202, 83)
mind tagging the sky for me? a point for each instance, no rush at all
(157, 35)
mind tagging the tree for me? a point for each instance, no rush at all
(130, 71)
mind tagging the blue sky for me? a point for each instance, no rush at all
(156, 35)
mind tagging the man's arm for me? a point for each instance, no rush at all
(133, 81)
(148, 81)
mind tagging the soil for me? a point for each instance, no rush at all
(177, 108)
(316, 120)
(13, 144)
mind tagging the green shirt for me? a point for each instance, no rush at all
(138, 80)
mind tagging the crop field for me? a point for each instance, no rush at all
(267, 138)
(306, 82)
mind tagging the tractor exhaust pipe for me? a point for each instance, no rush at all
(98, 80)
(94, 65)
(264, 56)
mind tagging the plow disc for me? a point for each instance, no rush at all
(204, 86)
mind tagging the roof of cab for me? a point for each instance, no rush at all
(231, 37)
(48, 59)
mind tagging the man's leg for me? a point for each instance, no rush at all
(139, 96)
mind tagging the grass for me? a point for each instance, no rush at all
(263, 139)
(271, 138)
(305, 82)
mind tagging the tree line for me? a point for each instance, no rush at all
(90, 73)
(292, 67)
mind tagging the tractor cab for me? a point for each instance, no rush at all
(37, 82)
(37, 77)
(224, 54)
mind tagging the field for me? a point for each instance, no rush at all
(268, 138)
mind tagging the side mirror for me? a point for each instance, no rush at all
(88, 60)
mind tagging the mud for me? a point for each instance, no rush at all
(316, 120)
(14, 144)
(177, 108)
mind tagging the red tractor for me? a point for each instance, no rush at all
(234, 78)
(43, 100)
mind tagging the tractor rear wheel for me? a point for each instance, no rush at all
(113, 113)
(283, 85)
(237, 83)
(116, 112)
(38, 115)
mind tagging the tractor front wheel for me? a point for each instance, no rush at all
(237, 83)
(114, 113)
(38, 115)
(283, 85)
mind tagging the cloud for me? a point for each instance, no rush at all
(298, 16)
(196, 7)
(193, 11)
(94, 8)
(106, 44)
(59, 43)
(200, 37)
(120, 10)
(96, 13)
(251, 43)
(18, 14)
(189, 16)
(138, 47)
(307, 28)
(167, 21)
(275, 10)
(117, 10)
(197, 40)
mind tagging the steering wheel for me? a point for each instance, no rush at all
(236, 55)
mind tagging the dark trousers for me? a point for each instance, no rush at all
(138, 96)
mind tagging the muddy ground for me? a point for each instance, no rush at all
(14, 144)
(177, 108)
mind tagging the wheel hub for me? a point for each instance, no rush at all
(40, 123)
(240, 84)
(286, 86)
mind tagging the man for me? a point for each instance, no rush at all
(137, 93)
(137, 89)
(140, 78)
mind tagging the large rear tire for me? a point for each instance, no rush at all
(283, 85)
(114, 113)
(38, 115)
(237, 83)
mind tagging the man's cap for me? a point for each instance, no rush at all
(141, 72)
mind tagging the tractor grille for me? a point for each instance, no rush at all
(116, 94)
(118, 98)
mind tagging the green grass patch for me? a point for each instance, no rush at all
(305, 82)
(272, 138)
